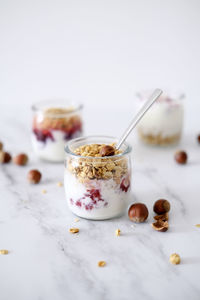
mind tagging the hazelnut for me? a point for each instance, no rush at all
(163, 217)
(5, 157)
(181, 157)
(34, 176)
(198, 138)
(107, 150)
(138, 212)
(21, 159)
(1, 146)
(160, 225)
(175, 259)
(161, 206)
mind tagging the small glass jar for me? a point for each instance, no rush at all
(54, 123)
(162, 125)
(97, 188)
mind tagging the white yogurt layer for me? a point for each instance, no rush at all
(50, 150)
(164, 119)
(114, 200)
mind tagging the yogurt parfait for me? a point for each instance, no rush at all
(163, 123)
(54, 123)
(97, 177)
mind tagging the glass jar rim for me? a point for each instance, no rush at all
(172, 95)
(68, 151)
(42, 105)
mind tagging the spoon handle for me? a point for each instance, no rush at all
(156, 94)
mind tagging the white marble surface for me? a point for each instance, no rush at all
(47, 262)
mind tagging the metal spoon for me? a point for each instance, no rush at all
(156, 94)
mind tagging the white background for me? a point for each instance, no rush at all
(100, 52)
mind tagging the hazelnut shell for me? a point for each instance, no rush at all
(160, 225)
(163, 217)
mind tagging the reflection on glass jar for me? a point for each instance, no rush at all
(54, 123)
(97, 187)
(163, 123)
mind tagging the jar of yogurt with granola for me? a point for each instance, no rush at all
(97, 177)
(54, 123)
(163, 123)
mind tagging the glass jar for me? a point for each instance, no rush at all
(54, 123)
(97, 187)
(163, 123)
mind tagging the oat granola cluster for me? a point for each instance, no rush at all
(57, 118)
(97, 168)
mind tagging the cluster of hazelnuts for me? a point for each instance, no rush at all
(5, 157)
(138, 213)
(34, 176)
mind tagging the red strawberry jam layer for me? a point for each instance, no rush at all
(94, 197)
(125, 184)
(43, 134)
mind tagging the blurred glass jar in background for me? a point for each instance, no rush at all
(163, 123)
(54, 123)
(97, 187)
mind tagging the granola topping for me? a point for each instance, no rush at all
(94, 150)
(98, 168)
(58, 119)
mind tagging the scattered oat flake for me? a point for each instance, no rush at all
(76, 220)
(117, 232)
(44, 191)
(73, 230)
(59, 184)
(197, 225)
(101, 263)
(4, 252)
